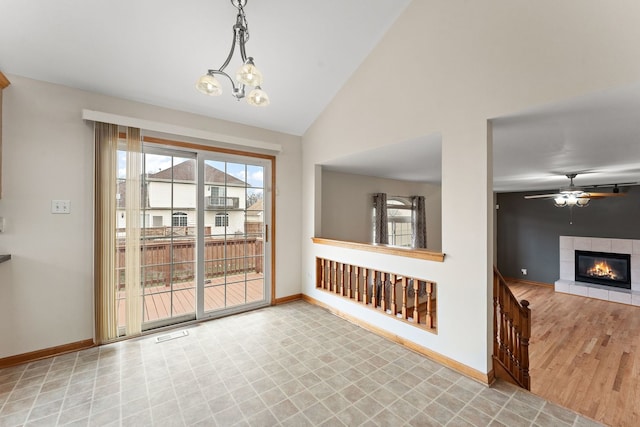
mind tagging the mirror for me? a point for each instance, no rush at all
(402, 170)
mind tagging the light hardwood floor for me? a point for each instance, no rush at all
(585, 354)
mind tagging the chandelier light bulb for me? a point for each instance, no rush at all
(249, 75)
(258, 98)
(209, 85)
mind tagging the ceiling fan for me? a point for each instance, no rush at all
(578, 196)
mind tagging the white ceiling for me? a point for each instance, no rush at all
(153, 51)
(596, 136)
(417, 160)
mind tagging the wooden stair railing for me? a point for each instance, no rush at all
(393, 294)
(511, 333)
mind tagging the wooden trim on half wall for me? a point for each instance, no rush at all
(485, 379)
(385, 249)
(19, 359)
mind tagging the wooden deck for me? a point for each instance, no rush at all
(161, 303)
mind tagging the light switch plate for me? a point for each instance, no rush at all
(60, 206)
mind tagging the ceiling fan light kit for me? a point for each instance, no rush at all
(247, 75)
(567, 198)
(577, 196)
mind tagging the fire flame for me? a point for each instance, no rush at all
(601, 269)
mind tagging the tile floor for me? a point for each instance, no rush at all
(290, 365)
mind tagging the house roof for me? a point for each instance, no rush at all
(186, 171)
(257, 206)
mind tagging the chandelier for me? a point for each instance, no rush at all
(246, 76)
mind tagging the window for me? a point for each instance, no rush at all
(222, 220)
(179, 219)
(218, 197)
(398, 221)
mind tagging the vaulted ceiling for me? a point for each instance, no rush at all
(153, 51)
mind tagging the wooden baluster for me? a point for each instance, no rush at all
(416, 292)
(374, 277)
(505, 306)
(496, 327)
(526, 334)
(383, 290)
(405, 315)
(356, 273)
(349, 292)
(509, 330)
(503, 326)
(365, 285)
(394, 307)
(325, 276)
(341, 279)
(335, 277)
(319, 272)
(518, 346)
(429, 316)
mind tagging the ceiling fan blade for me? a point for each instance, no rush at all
(542, 196)
(603, 195)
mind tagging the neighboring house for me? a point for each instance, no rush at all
(170, 197)
(255, 217)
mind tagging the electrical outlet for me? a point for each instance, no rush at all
(60, 206)
(524, 271)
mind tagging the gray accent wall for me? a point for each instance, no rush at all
(528, 230)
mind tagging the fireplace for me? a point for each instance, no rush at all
(603, 268)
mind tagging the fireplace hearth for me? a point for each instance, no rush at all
(603, 268)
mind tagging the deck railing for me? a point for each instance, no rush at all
(511, 333)
(405, 298)
(166, 261)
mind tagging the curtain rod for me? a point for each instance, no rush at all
(99, 116)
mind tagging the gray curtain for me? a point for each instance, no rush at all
(418, 223)
(381, 232)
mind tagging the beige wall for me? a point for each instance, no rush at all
(448, 67)
(46, 289)
(347, 205)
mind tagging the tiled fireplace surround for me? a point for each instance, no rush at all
(567, 283)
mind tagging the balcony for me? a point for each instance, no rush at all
(222, 203)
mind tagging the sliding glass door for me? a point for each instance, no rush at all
(203, 246)
(234, 245)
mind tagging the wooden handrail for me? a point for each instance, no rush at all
(377, 290)
(423, 254)
(511, 334)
